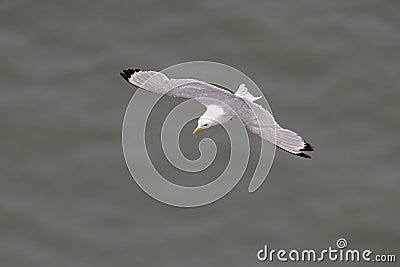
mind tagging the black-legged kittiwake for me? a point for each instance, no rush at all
(222, 105)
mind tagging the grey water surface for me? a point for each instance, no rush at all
(330, 70)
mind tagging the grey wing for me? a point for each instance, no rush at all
(261, 122)
(152, 81)
(158, 82)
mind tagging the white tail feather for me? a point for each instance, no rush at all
(243, 92)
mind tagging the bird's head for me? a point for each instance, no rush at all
(204, 123)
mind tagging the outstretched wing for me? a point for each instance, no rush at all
(157, 82)
(261, 122)
(257, 119)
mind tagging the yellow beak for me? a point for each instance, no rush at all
(196, 130)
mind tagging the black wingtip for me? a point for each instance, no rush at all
(303, 155)
(300, 154)
(127, 73)
(124, 76)
(307, 147)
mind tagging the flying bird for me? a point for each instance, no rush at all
(221, 106)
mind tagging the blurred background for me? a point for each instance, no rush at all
(330, 70)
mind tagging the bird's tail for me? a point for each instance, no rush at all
(243, 92)
(292, 142)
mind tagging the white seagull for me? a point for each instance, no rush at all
(222, 105)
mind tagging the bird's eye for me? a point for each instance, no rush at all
(205, 125)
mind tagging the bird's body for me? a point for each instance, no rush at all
(216, 113)
(222, 106)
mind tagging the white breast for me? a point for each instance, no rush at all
(216, 113)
